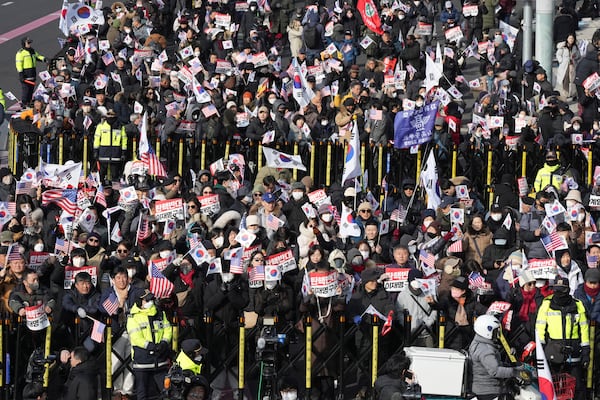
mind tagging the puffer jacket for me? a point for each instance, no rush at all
(488, 371)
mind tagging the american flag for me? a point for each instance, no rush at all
(91, 181)
(144, 230)
(100, 198)
(476, 280)
(194, 240)
(553, 242)
(235, 260)
(155, 167)
(111, 304)
(593, 224)
(66, 199)
(257, 273)
(592, 261)
(456, 247)
(336, 215)
(79, 52)
(11, 206)
(98, 331)
(160, 286)
(14, 252)
(273, 222)
(23, 187)
(427, 258)
(399, 214)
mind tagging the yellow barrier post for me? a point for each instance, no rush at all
(61, 145)
(380, 164)
(134, 149)
(241, 357)
(157, 146)
(419, 157)
(590, 370)
(227, 145)
(312, 160)
(175, 341)
(375, 350)
(454, 159)
(85, 155)
(180, 161)
(108, 351)
(590, 171)
(47, 353)
(308, 354)
(489, 175)
(441, 338)
(259, 156)
(524, 162)
(363, 156)
(203, 154)
(295, 170)
(328, 169)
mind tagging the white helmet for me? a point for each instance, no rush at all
(486, 325)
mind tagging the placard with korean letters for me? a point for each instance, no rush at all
(324, 284)
(36, 317)
(542, 268)
(397, 279)
(284, 260)
(165, 210)
(209, 204)
(71, 272)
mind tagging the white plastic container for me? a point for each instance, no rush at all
(438, 371)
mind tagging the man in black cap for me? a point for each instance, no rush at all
(26, 60)
(191, 356)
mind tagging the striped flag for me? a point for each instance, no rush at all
(257, 273)
(235, 260)
(273, 222)
(100, 197)
(98, 331)
(553, 242)
(194, 240)
(456, 247)
(23, 187)
(111, 304)
(545, 384)
(476, 280)
(155, 167)
(66, 199)
(14, 252)
(160, 286)
(144, 230)
(427, 258)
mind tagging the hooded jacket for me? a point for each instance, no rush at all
(488, 371)
(82, 382)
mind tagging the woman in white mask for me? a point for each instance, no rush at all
(288, 388)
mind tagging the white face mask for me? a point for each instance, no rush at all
(576, 127)
(253, 230)
(500, 242)
(412, 249)
(7, 180)
(419, 104)
(218, 242)
(227, 277)
(496, 217)
(271, 101)
(148, 304)
(127, 30)
(26, 208)
(38, 247)
(78, 262)
(293, 395)
(327, 217)
(364, 254)
(198, 359)
(197, 53)
(401, 17)
(297, 195)
(130, 273)
(164, 253)
(324, 122)
(270, 284)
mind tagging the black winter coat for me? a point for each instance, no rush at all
(82, 382)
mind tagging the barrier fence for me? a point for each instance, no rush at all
(324, 160)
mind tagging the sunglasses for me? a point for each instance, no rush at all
(207, 192)
(93, 240)
(262, 112)
(193, 206)
(365, 211)
(259, 259)
(122, 251)
(257, 194)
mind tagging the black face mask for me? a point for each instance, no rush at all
(92, 250)
(16, 228)
(552, 163)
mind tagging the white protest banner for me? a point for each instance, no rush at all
(594, 201)
(37, 258)
(284, 260)
(470, 11)
(523, 186)
(397, 279)
(498, 307)
(323, 284)
(424, 29)
(165, 210)
(542, 268)
(248, 251)
(453, 34)
(209, 204)
(318, 197)
(36, 318)
(592, 82)
(71, 272)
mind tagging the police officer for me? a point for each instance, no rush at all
(562, 326)
(26, 59)
(150, 334)
(191, 356)
(110, 145)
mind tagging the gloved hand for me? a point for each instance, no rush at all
(585, 356)
(448, 236)
(151, 347)
(123, 156)
(357, 319)
(162, 348)
(177, 261)
(81, 312)
(96, 154)
(21, 76)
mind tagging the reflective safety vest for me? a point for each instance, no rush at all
(2, 100)
(549, 323)
(545, 177)
(186, 363)
(109, 141)
(26, 61)
(146, 326)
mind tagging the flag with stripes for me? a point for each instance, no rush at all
(144, 230)
(14, 252)
(194, 240)
(98, 331)
(111, 304)
(155, 167)
(23, 187)
(273, 222)
(160, 286)
(427, 258)
(257, 273)
(66, 199)
(456, 247)
(476, 280)
(553, 242)
(235, 260)
(100, 197)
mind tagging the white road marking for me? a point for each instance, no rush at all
(8, 3)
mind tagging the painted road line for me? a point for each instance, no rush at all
(18, 32)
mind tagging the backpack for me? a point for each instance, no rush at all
(312, 37)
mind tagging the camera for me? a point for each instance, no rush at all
(267, 350)
(178, 382)
(37, 365)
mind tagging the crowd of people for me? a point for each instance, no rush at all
(148, 248)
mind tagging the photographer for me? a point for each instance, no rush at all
(82, 383)
(395, 381)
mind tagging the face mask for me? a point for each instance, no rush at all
(227, 277)
(419, 104)
(34, 286)
(427, 223)
(297, 195)
(270, 284)
(130, 273)
(253, 230)
(38, 247)
(576, 127)
(164, 253)
(324, 122)
(327, 217)
(293, 395)
(412, 249)
(417, 3)
(198, 359)
(252, 8)
(7, 180)
(185, 268)
(500, 242)
(271, 101)
(364, 254)
(549, 162)
(148, 304)
(357, 261)
(401, 17)
(496, 217)
(127, 30)
(218, 242)
(78, 262)
(478, 133)
(596, 127)
(26, 208)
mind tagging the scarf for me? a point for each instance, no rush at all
(590, 291)
(529, 306)
(460, 318)
(188, 278)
